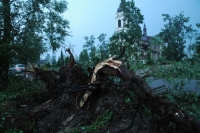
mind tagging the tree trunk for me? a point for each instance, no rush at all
(5, 50)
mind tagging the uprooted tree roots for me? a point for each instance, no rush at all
(82, 103)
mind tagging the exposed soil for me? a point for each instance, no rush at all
(53, 115)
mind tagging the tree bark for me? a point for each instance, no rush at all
(5, 43)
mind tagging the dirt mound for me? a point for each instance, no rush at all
(105, 111)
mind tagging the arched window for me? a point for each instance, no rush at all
(119, 23)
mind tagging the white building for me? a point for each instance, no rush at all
(119, 19)
(144, 41)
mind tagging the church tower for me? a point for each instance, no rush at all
(119, 18)
(145, 30)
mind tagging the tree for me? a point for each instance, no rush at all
(91, 55)
(5, 9)
(66, 61)
(130, 36)
(102, 48)
(173, 34)
(89, 51)
(198, 41)
(198, 45)
(194, 48)
(192, 36)
(198, 25)
(53, 60)
(60, 61)
(157, 40)
(28, 28)
(84, 59)
(150, 61)
(89, 42)
(61, 58)
(47, 58)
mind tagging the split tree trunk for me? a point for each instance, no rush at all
(146, 96)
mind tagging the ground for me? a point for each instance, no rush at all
(107, 107)
(61, 114)
(107, 110)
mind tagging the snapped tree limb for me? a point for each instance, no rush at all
(146, 96)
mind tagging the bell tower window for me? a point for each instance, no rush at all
(119, 23)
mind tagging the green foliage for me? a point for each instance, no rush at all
(20, 91)
(19, 85)
(84, 59)
(178, 70)
(157, 40)
(53, 60)
(48, 57)
(137, 66)
(100, 122)
(130, 98)
(89, 42)
(129, 37)
(198, 25)
(173, 34)
(162, 61)
(150, 61)
(38, 27)
(188, 102)
(59, 62)
(88, 54)
(29, 28)
(102, 48)
(147, 112)
(91, 54)
(48, 64)
(61, 58)
(44, 67)
(14, 131)
(178, 74)
(194, 47)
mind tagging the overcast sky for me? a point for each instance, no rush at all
(93, 17)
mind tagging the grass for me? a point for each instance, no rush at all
(100, 122)
(20, 92)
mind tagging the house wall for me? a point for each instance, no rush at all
(155, 51)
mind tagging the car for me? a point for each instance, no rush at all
(17, 68)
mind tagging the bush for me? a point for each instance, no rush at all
(162, 61)
(48, 65)
(150, 61)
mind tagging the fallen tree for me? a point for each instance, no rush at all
(166, 110)
(68, 79)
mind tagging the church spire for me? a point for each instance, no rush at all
(120, 7)
(144, 30)
(120, 17)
